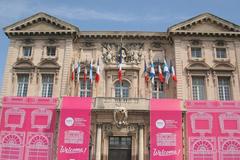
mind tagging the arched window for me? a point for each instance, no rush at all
(122, 89)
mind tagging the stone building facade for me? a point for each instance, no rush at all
(43, 52)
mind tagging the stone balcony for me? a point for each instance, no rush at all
(105, 103)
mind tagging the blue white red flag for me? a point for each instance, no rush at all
(152, 72)
(120, 66)
(174, 77)
(78, 71)
(146, 76)
(160, 74)
(166, 71)
(97, 77)
(90, 73)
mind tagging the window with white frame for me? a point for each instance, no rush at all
(122, 89)
(27, 51)
(196, 52)
(23, 80)
(224, 90)
(198, 88)
(47, 85)
(85, 88)
(51, 51)
(157, 89)
(221, 53)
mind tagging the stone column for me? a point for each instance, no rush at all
(140, 144)
(99, 140)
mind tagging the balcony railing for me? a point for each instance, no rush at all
(128, 103)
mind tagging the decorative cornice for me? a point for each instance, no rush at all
(37, 33)
(201, 66)
(198, 66)
(48, 64)
(63, 28)
(123, 34)
(205, 17)
(24, 64)
(223, 67)
(208, 34)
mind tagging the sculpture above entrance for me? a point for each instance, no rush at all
(120, 116)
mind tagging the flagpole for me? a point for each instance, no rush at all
(85, 80)
(96, 89)
(121, 70)
(96, 83)
(120, 67)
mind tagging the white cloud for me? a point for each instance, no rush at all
(89, 14)
(10, 11)
(13, 10)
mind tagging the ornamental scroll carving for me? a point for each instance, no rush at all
(131, 53)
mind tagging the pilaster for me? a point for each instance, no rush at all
(7, 86)
(178, 62)
(66, 67)
(237, 55)
(140, 143)
(99, 140)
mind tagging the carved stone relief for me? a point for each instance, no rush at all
(120, 116)
(134, 52)
(109, 52)
(109, 129)
(86, 44)
(156, 45)
(158, 54)
(131, 53)
(28, 41)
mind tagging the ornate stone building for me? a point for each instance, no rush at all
(43, 52)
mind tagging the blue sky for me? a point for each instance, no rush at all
(113, 15)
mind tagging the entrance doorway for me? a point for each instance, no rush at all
(120, 148)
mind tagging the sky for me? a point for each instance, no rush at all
(113, 15)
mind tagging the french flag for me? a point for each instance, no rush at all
(174, 77)
(85, 73)
(73, 71)
(90, 73)
(97, 77)
(166, 71)
(160, 74)
(145, 72)
(120, 67)
(78, 71)
(152, 72)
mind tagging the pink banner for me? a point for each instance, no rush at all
(213, 130)
(27, 127)
(166, 129)
(75, 123)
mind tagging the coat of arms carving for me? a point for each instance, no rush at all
(131, 53)
(120, 116)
